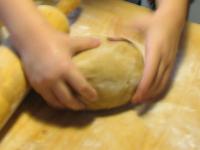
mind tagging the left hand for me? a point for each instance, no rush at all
(162, 35)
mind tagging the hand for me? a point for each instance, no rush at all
(162, 37)
(50, 71)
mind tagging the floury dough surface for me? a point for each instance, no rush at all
(114, 70)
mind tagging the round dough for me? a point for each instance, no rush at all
(114, 70)
(65, 6)
(54, 17)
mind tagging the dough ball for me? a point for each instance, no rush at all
(46, 2)
(55, 17)
(67, 6)
(114, 69)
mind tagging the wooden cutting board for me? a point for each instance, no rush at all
(173, 123)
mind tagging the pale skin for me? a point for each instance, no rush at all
(46, 56)
(162, 30)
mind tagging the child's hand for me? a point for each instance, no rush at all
(162, 35)
(161, 31)
(46, 55)
(47, 61)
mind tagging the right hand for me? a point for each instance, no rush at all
(47, 60)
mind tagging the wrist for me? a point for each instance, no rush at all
(174, 12)
(29, 32)
(30, 40)
(22, 27)
(166, 16)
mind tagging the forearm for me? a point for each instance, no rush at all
(21, 18)
(175, 10)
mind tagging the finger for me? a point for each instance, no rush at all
(155, 88)
(79, 84)
(64, 95)
(164, 82)
(79, 44)
(152, 61)
(50, 98)
(163, 75)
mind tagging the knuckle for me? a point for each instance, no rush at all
(41, 77)
(46, 80)
(68, 66)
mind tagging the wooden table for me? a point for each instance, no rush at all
(173, 123)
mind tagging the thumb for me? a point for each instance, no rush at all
(79, 44)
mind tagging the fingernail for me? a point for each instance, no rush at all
(136, 99)
(92, 95)
(96, 42)
(137, 102)
(133, 101)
